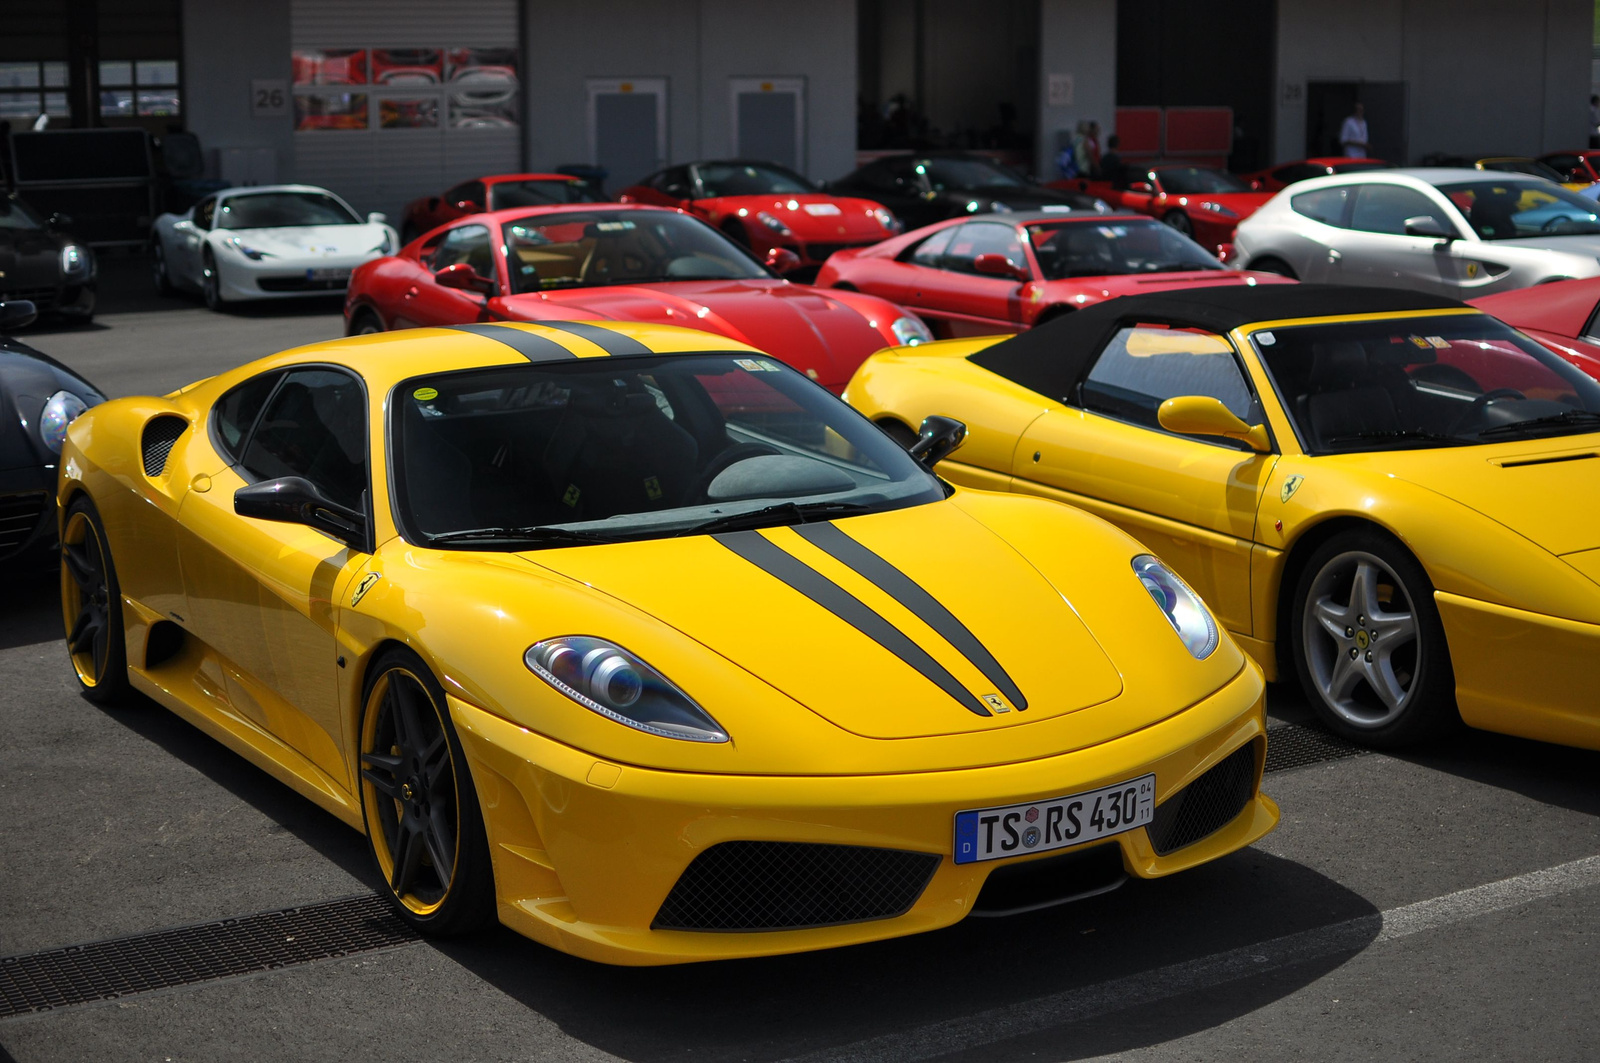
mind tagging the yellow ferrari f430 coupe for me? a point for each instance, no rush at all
(655, 652)
(1389, 494)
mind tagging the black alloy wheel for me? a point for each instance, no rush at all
(91, 606)
(211, 283)
(424, 827)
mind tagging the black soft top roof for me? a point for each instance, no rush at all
(1053, 357)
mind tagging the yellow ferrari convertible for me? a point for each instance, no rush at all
(1388, 494)
(655, 652)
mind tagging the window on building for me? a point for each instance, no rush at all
(31, 88)
(143, 88)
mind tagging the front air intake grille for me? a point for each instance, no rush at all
(1206, 805)
(156, 443)
(750, 886)
(19, 516)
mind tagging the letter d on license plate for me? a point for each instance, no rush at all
(1054, 823)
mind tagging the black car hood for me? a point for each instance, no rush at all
(27, 380)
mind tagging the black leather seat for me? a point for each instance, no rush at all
(616, 451)
(1346, 394)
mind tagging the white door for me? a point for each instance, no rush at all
(769, 120)
(627, 128)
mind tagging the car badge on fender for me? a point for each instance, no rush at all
(1290, 486)
(363, 587)
(996, 702)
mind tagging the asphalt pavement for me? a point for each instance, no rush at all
(1437, 905)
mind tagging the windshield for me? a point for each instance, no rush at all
(1357, 167)
(508, 195)
(750, 179)
(279, 210)
(15, 214)
(1089, 249)
(965, 175)
(1451, 380)
(1531, 167)
(612, 449)
(591, 248)
(1507, 210)
(1197, 180)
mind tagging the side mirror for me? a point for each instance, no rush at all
(58, 221)
(469, 206)
(17, 313)
(937, 438)
(377, 217)
(1427, 225)
(1141, 186)
(781, 260)
(463, 277)
(296, 500)
(992, 264)
(1202, 415)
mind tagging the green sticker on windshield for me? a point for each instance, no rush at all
(425, 394)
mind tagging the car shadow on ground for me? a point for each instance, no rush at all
(31, 612)
(1554, 775)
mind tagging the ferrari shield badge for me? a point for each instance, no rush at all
(996, 702)
(363, 587)
(1290, 486)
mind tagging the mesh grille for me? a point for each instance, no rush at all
(785, 885)
(1206, 805)
(1294, 746)
(19, 515)
(156, 443)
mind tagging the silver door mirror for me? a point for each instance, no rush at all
(1429, 226)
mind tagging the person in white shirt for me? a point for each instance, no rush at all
(1353, 136)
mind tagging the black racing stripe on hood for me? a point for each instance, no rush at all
(613, 343)
(801, 577)
(530, 345)
(903, 589)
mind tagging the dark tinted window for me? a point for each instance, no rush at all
(931, 251)
(315, 426)
(508, 195)
(1297, 171)
(468, 192)
(890, 175)
(1198, 180)
(205, 213)
(1145, 365)
(280, 210)
(1104, 248)
(236, 412)
(1326, 205)
(1385, 208)
(750, 179)
(1565, 165)
(675, 182)
(983, 238)
(469, 244)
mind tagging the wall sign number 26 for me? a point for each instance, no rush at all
(269, 97)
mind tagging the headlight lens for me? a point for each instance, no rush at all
(772, 223)
(607, 679)
(59, 411)
(74, 259)
(1181, 606)
(910, 331)
(887, 219)
(253, 254)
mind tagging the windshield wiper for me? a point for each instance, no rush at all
(782, 513)
(527, 536)
(1394, 435)
(1584, 418)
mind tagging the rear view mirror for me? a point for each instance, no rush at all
(781, 260)
(469, 206)
(937, 438)
(1141, 186)
(1202, 415)
(1427, 225)
(296, 500)
(992, 264)
(17, 313)
(463, 277)
(377, 217)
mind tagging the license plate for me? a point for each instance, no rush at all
(1055, 823)
(327, 274)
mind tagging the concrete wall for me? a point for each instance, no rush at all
(1482, 75)
(697, 45)
(225, 45)
(1076, 37)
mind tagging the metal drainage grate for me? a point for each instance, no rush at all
(1293, 745)
(40, 981)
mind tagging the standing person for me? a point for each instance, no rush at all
(1353, 135)
(1111, 161)
(1594, 121)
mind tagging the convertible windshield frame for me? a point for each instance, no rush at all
(427, 409)
(225, 209)
(615, 222)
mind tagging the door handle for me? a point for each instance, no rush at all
(1333, 255)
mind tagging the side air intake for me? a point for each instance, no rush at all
(160, 433)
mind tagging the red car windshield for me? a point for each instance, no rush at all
(1197, 180)
(581, 249)
(1101, 249)
(508, 195)
(750, 179)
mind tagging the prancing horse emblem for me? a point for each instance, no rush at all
(1290, 486)
(363, 587)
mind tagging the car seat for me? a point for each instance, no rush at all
(1342, 397)
(616, 451)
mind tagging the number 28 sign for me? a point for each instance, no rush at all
(269, 97)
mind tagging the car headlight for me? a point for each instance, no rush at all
(59, 411)
(1181, 606)
(772, 223)
(972, 206)
(383, 248)
(998, 207)
(607, 679)
(887, 219)
(910, 331)
(74, 259)
(1102, 207)
(253, 254)
(1219, 209)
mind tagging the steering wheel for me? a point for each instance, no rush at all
(1561, 223)
(1483, 400)
(729, 455)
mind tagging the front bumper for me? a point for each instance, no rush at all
(278, 279)
(27, 511)
(585, 850)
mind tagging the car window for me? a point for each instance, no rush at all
(931, 251)
(315, 426)
(1506, 210)
(206, 212)
(1565, 165)
(675, 182)
(982, 238)
(235, 413)
(750, 179)
(469, 192)
(1067, 249)
(599, 247)
(469, 244)
(1384, 208)
(890, 175)
(1145, 365)
(508, 195)
(1326, 205)
(281, 210)
(1298, 171)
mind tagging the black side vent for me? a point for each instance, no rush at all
(1206, 805)
(1546, 461)
(156, 443)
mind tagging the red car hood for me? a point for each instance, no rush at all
(812, 216)
(1098, 289)
(807, 328)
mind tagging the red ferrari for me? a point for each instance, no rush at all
(1281, 176)
(980, 276)
(502, 192)
(1564, 316)
(760, 206)
(622, 262)
(1199, 202)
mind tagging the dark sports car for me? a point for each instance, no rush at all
(923, 189)
(39, 397)
(43, 265)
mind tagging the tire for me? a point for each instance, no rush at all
(1273, 265)
(211, 284)
(91, 606)
(1388, 682)
(418, 803)
(158, 268)
(1180, 221)
(365, 323)
(898, 432)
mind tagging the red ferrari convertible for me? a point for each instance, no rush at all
(980, 276)
(1564, 316)
(502, 192)
(760, 206)
(1281, 176)
(1199, 202)
(622, 262)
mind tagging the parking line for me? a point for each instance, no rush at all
(1149, 987)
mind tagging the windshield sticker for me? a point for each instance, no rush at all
(425, 394)
(1112, 232)
(822, 210)
(613, 226)
(752, 365)
(652, 488)
(570, 499)
(770, 367)
(1266, 339)
(1056, 208)
(1418, 341)
(1440, 342)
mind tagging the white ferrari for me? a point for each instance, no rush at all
(265, 242)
